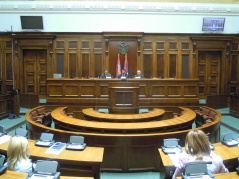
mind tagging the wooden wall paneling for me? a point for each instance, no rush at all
(42, 71)
(103, 89)
(98, 64)
(160, 53)
(159, 90)
(190, 91)
(8, 66)
(234, 71)
(60, 58)
(114, 44)
(147, 63)
(5, 105)
(30, 71)
(55, 89)
(85, 59)
(185, 66)
(174, 91)
(172, 68)
(98, 61)
(73, 65)
(186, 63)
(85, 64)
(87, 90)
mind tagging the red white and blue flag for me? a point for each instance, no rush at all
(118, 66)
(126, 64)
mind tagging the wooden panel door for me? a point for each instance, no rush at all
(209, 70)
(35, 71)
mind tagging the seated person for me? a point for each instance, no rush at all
(17, 155)
(138, 75)
(106, 74)
(123, 74)
(197, 148)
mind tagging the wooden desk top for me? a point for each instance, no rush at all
(187, 118)
(19, 175)
(226, 153)
(155, 113)
(91, 155)
(231, 175)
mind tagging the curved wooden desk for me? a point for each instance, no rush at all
(155, 114)
(19, 175)
(231, 175)
(70, 162)
(229, 156)
(68, 123)
(125, 152)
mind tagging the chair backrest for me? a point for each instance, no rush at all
(41, 110)
(45, 166)
(205, 110)
(21, 132)
(34, 113)
(76, 140)
(46, 137)
(212, 114)
(2, 129)
(2, 159)
(198, 167)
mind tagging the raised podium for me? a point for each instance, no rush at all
(124, 98)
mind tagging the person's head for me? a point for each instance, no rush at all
(106, 72)
(17, 151)
(123, 71)
(138, 72)
(197, 144)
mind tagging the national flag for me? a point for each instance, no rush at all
(126, 64)
(118, 66)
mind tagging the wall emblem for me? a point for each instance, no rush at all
(123, 48)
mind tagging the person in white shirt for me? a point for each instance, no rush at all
(198, 149)
(18, 155)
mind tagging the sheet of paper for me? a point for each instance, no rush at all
(40, 176)
(4, 139)
(199, 177)
(175, 158)
(57, 148)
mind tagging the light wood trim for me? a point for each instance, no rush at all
(186, 119)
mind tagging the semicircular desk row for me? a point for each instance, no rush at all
(62, 121)
(128, 146)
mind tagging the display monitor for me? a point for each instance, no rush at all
(32, 22)
(213, 24)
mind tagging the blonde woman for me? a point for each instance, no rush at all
(198, 149)
(17, 155)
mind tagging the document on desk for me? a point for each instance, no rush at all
(56, 148)
(41, 176)
(199, 177)
(4, 139)
(175, 157)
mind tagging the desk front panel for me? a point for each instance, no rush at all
(94, 92)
